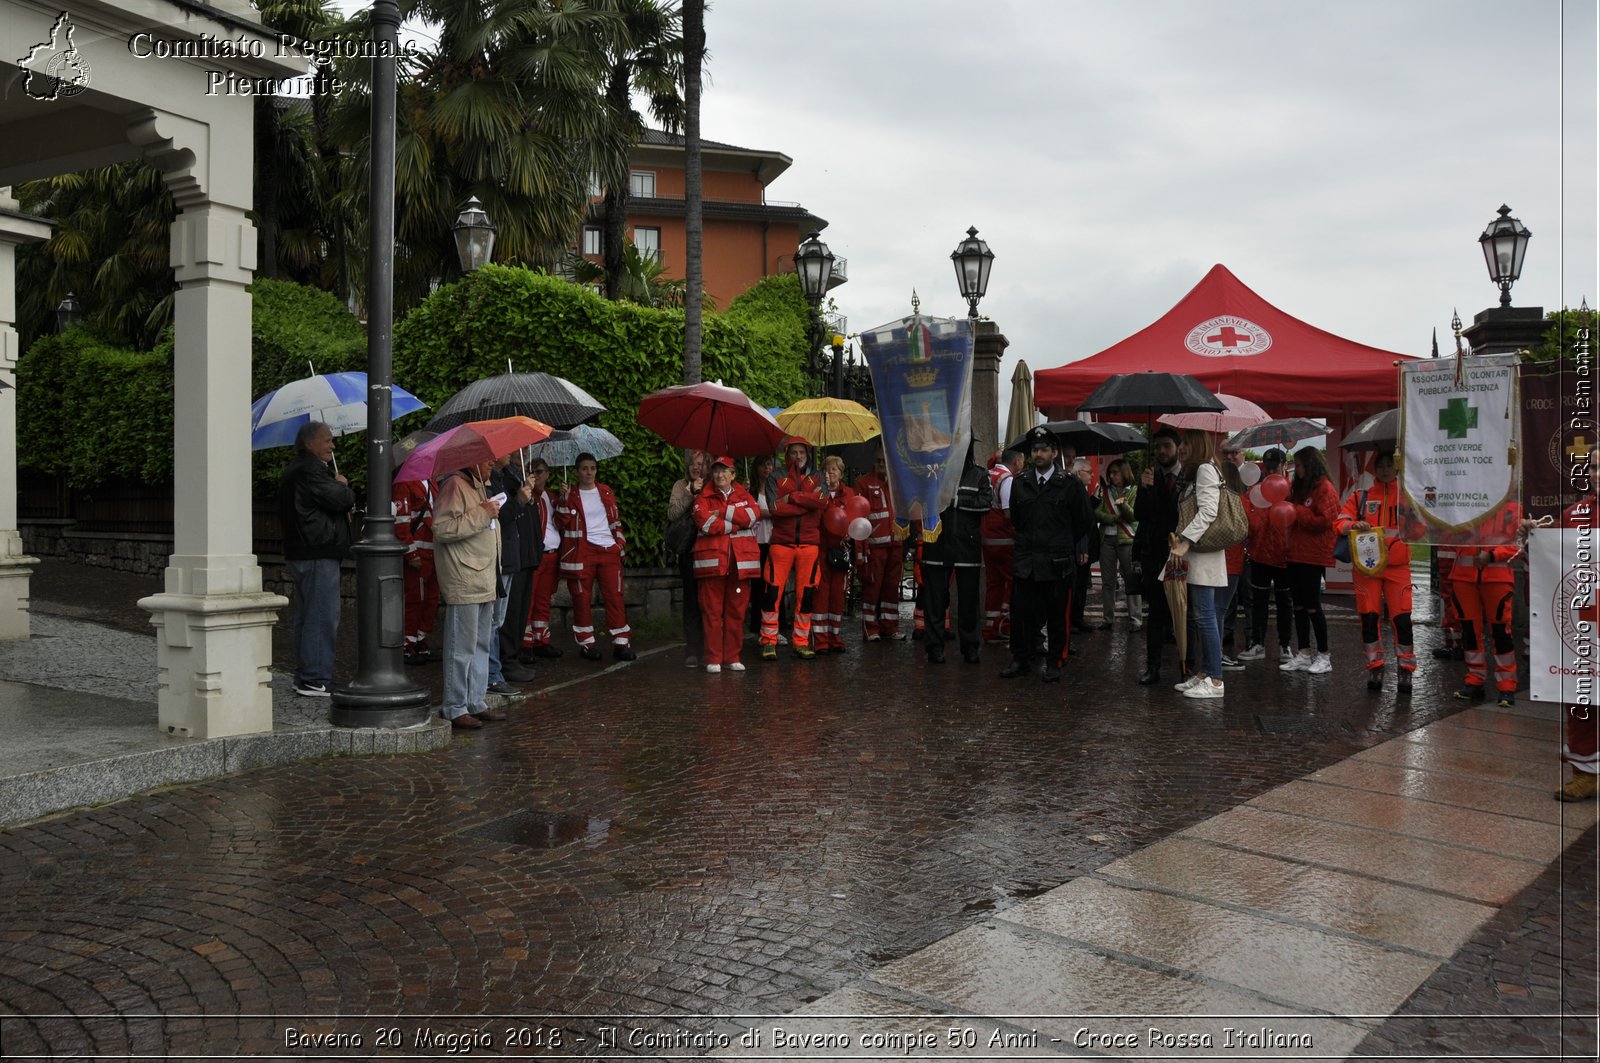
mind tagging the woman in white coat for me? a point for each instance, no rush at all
(1208, 569)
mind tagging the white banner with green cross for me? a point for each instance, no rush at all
(1459, 427)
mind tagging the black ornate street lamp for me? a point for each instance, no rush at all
(814, 262)
(1504, 244)
(68, 312)
(972, 259)
(380, 695)
(474, 234)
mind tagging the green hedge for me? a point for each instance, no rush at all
(618, 352)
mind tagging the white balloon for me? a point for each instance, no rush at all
(1250, 473)
(860, 528)
(1258, 499)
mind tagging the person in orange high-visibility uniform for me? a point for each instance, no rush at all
(413, 525)
(881, 558)
(998, 540)
(1481, 582)
(725, 558)
(1379, 507)
(796, 502)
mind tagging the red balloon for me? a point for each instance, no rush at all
(857, 506)
(1282, 514)
(836, 520)
(1275, 488)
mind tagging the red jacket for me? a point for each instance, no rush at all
(834, 501)
(569, 517)
(413, 514)
(1266, 544)
(727, 538)
(875, 490)
(1310, 537)
(797, 511)
(1491, 564)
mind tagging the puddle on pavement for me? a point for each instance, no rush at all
(540, 830)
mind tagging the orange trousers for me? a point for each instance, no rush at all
(805, 563)
(1485, 610)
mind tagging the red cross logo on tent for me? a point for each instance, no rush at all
(1227, 336)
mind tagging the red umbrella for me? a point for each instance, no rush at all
(469, 444)
(710, 417)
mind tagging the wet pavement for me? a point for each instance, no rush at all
(648, 841)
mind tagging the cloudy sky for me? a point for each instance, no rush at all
(1341, 159)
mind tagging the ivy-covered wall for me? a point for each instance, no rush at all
(618, 352)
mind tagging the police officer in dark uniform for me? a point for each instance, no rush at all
(957, 548)
(1051, 512)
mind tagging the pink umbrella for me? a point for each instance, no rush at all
(469, 444)
(1240, 414)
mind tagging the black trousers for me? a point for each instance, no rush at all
(936, 603)
(519, 599)
(1158, 626)
(1036, 603)
(1267, 580)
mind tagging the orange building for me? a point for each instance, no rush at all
(747, 236)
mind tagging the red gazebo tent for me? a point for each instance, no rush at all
(1234, 341)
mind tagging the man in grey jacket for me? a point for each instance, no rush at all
(466, 553)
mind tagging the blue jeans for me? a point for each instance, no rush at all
(469, 632)
(316, 618)
(500, 605)
(1204, 613)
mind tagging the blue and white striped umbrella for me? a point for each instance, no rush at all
(565, 444)
(337, 399)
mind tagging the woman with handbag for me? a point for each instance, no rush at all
(1117, 528)
(1199, 504)
(1310, 537)
(680, 536)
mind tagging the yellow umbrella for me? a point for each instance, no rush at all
(830, 422)
(1021, 415)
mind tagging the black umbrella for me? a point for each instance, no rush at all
(3, 385)
(1151, 393)
(1380, 432)
(1091, 437)
(541, 396)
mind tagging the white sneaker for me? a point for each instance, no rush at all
(1284, 653)
(736, 666)
(713, 669)
(1322, 664)
(1191, 681)
(1207, 689)
(1299, 662)
(1134, 622)
(1256, 652)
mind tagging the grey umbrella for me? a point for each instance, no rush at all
(557, 402)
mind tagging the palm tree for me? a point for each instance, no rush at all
(694, 50)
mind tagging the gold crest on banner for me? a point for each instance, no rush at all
(1368, 551)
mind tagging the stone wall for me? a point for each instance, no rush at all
(650, 592)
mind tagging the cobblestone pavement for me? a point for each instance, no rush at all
(650, 841)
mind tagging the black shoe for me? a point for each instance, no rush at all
(971, 656)
(1014, 669)
(588, 653)
(1151, 677)
(935, 656)
(1051, 674)
(1375, 680)
(624, 653)
(546, 650)
(1442, 653)
(503, 687)
(517, 672)
(1403, 684)
(1083, 629)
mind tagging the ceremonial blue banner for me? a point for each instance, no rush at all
(922, 377)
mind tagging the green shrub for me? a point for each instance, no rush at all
(618, 352)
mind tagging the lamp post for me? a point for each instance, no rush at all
(814, 262)
(1504, 243)
(68, 312)
(474, 234)
(972, 259)
(380, 695)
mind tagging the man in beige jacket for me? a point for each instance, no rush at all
(467, 560)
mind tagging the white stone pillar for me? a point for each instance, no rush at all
(213, 622)
(15, 566)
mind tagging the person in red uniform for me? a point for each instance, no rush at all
(827, 617)
(1310, 551)
(1481, 582)
(998, 540)
(1449, 619)
(1379, 507)
(592, 549)
(1582, 746)
(536, 636)
(880, 559)
(413, 525)
(796, 503)
(726, 557)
